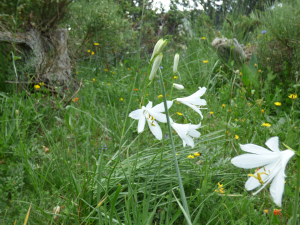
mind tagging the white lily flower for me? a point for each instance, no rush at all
(159, 46)
(194, 100)
(273, 165)
(155, 66)
(186, 132)
(151, 115)
(176, 60)
(178, 86)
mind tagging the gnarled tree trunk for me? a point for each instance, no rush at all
(50, 55)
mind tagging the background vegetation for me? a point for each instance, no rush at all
(87, 158)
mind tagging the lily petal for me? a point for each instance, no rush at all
(286, 156)
(149, 105)
(158, 116)
(192, 100)
(277, 188)
(181, 129)
(136, 114)
(273, 144)
(141, 124)
(202, 91)
(194, 133)
(187, 140)
(197, 109)
(251, 148)
(155, 129)
(248, 161)
(160, 107)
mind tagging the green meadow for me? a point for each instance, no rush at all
(76, 155)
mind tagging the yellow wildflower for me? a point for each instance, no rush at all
(203, 38)
(266, 124)
(220, 189)
(205, 61)
(175, 77)
(41, 84)
(223, 106)
(160, 96)
(293, 96)
(236, 137)
(96, 43)
(106, 70)
(93, 53)
(37, 86)
(121, 99)
(211, 113)
(262, 111)
(94, 80)
(178, 113)
(191, 156)
(89, 50)
(266, 211)
(277, 103)
(197, 154)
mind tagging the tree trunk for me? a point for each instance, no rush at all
(51, 59)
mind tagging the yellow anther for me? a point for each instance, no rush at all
(258, 177)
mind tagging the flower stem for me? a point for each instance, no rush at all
(183, 198)
(297, 190)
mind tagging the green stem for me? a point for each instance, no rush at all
(297, 190)
(172, 85)
(183, 198)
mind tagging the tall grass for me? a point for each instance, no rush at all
(99, 170)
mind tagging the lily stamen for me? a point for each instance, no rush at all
(258, 177)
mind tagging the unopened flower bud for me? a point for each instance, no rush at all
(160, 45)
(176, 60)
(17, 112)
(178, 86)
(155, 66)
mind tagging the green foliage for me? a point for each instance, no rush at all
(279, 47)
(99, 22)
(241, 25)
(100, 170)
(250, 74)
(44, 15)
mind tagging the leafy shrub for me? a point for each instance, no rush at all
(279, 47)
